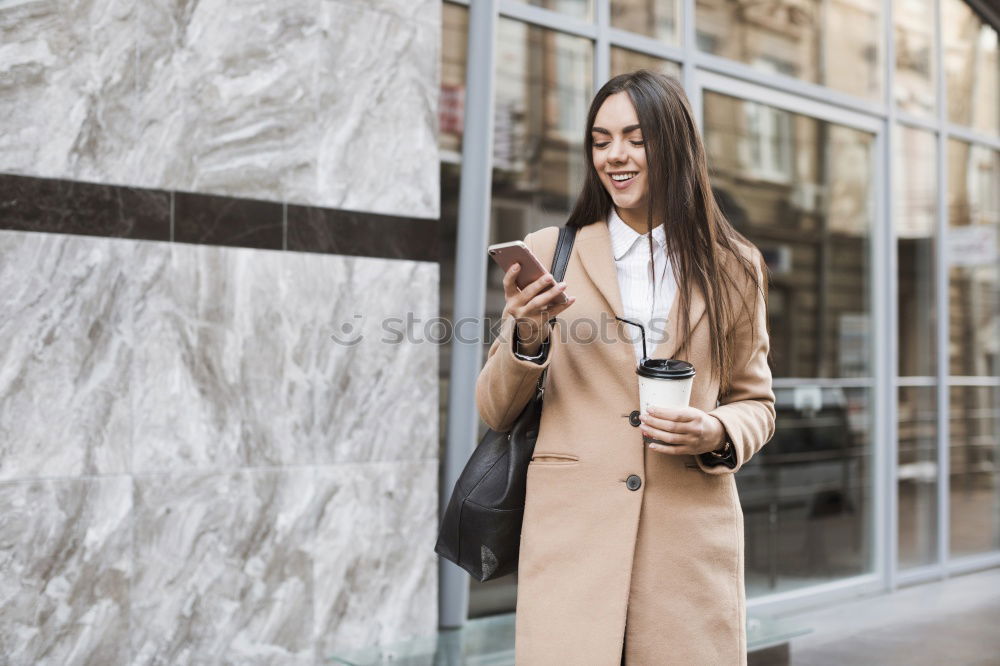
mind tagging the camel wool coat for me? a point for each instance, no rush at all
(661, 566)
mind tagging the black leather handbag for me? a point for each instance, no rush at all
(481, 528)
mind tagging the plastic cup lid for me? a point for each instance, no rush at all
(664, 368)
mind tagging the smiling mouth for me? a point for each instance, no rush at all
(622, 177)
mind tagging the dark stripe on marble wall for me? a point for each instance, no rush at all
(214, 220)
(69, 207)
(336, 231)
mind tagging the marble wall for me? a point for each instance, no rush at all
(323, 102)
(198, 199)
(192, 468)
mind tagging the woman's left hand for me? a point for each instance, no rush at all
(683, 431)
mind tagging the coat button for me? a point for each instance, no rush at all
(633, 418)
(633, 482)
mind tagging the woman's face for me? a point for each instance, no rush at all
(619, 153)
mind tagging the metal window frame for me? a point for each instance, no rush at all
(470, 279)
(888, 354)
(941, 302)
(700, 72)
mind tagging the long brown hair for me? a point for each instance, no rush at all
(700, 239)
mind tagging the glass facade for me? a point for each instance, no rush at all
(916, 67)
(877, 210)
(834, 43)
(973, 286)
(651, 18)
(800, 188)
(581, 9)
(914, 216)
(544, 81)
(451, 116)
(974, 337)
(624, 60)
(914, 219)
(972, 67)
(973, 447)
(917, 476)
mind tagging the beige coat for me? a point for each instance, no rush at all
(662, 564)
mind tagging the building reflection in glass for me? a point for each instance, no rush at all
(835, 43)
(972, 68)
(974, 493)
(806, 497)
(451, 117)
(625, 60)
(973, 255)
(543, 88)
(917, 475)
(800, 189)
(914, 215)
(659, 19)
(914, 34)
(973, 259)
(581, 9)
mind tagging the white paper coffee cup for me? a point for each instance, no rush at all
(664, 383)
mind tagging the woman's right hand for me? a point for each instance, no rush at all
(532, 307)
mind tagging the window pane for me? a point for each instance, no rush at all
(975, 465)
(917, 476)
(659, 19)
(800, 188)
(973, 248)
(543, 89)
(544, 83)
(582, 9)
(451, 115)
(806, 497)
(972, 68)
(451, 112)
(915, 192)
(451, 107)
(624, 60)
(836, 43)
(914, 55)
(454, 40)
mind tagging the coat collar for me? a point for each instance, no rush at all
(593, 243)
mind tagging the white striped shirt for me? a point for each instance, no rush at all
(645, 298)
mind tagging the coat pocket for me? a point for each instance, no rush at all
(554, 459)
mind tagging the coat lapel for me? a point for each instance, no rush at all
(668, 347)
(594, 249)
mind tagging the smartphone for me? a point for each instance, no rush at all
(516, 252)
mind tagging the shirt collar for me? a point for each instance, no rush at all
(623, 237)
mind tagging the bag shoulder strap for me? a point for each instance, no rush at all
(564, 247)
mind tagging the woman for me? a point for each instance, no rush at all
(632, 542)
